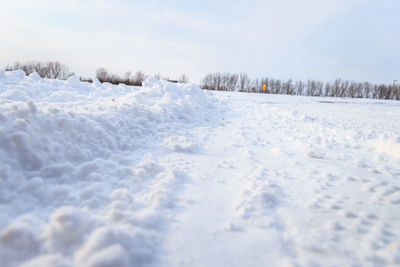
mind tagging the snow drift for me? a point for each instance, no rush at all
(75, 187)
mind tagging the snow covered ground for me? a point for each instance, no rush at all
(170, 175)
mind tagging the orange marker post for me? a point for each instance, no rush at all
(264, 88)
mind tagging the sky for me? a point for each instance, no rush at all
(297, 39)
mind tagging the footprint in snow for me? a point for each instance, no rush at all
(350, 215)
(315, 155)
(335, 207)
(337, 226)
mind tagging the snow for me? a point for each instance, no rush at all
(170, 175)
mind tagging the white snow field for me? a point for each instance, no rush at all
(169, 175)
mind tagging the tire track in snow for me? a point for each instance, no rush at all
(212, 227)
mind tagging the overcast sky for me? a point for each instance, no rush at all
(298, 39)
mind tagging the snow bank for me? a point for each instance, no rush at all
(70, 194)
(60, 127)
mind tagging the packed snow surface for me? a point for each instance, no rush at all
(170, 175)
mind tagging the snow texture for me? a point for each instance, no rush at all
(79, 185)
(166, 174)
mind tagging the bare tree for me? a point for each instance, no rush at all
(243, 82)
(57, 70)
(299, 87)
(207, 82)
(139, 78)
(102, 75)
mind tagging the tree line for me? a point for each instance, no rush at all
(50, 69)
(338, 88)
(57, 70)
(227, 82)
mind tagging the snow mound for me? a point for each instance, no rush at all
(59, 128)
(34, 76)
(388, 145)
(74, 187)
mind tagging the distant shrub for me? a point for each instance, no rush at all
(136, 79)
(84, 79)
(103, 75)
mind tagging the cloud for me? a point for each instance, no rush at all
(173, 36)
